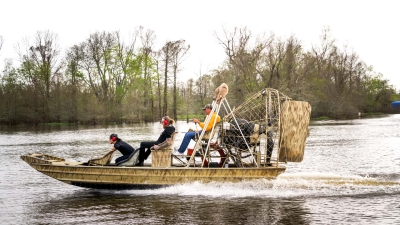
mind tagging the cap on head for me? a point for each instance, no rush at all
(208, 106)
(113, 137)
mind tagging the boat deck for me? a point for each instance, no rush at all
(147, 165)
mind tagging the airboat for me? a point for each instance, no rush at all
(252, 141)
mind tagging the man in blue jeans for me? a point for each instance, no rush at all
(191, 134)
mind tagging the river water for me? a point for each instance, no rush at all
(350, 175)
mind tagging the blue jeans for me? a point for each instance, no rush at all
(186, 140)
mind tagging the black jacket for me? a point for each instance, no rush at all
(124, 148)
(167, 132)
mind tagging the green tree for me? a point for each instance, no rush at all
(11, 107)
(111, 69)
(378, 94)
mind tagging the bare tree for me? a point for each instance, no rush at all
(158, 61)
(166, 58)
(126, 70)
(204, 89)
(147, 38)
(247, 63)
(40, 64)
(188, 95)
(179, 51)
(294, 70)
(98, 64)
(73, 59)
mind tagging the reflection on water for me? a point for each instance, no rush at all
(107, 207)
(349, 175)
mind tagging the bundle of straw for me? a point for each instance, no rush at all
(295, 117)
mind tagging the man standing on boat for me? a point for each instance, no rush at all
(123, 147)
(191, 134)
(163, 141)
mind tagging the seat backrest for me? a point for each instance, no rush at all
(210, 134)
(173, 135)
(102, 161)
(131, 160)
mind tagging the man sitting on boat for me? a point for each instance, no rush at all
(163, 141)
(191, 134)
(123, 147)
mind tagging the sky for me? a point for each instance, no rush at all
(367, 27)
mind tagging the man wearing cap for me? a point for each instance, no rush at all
(190, 135)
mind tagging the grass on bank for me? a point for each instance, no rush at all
(395, 97)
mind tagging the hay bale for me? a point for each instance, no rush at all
(295, 117)
(161, 157)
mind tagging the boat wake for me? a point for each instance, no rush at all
(287, 186)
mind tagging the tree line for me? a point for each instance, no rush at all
(108, 79)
